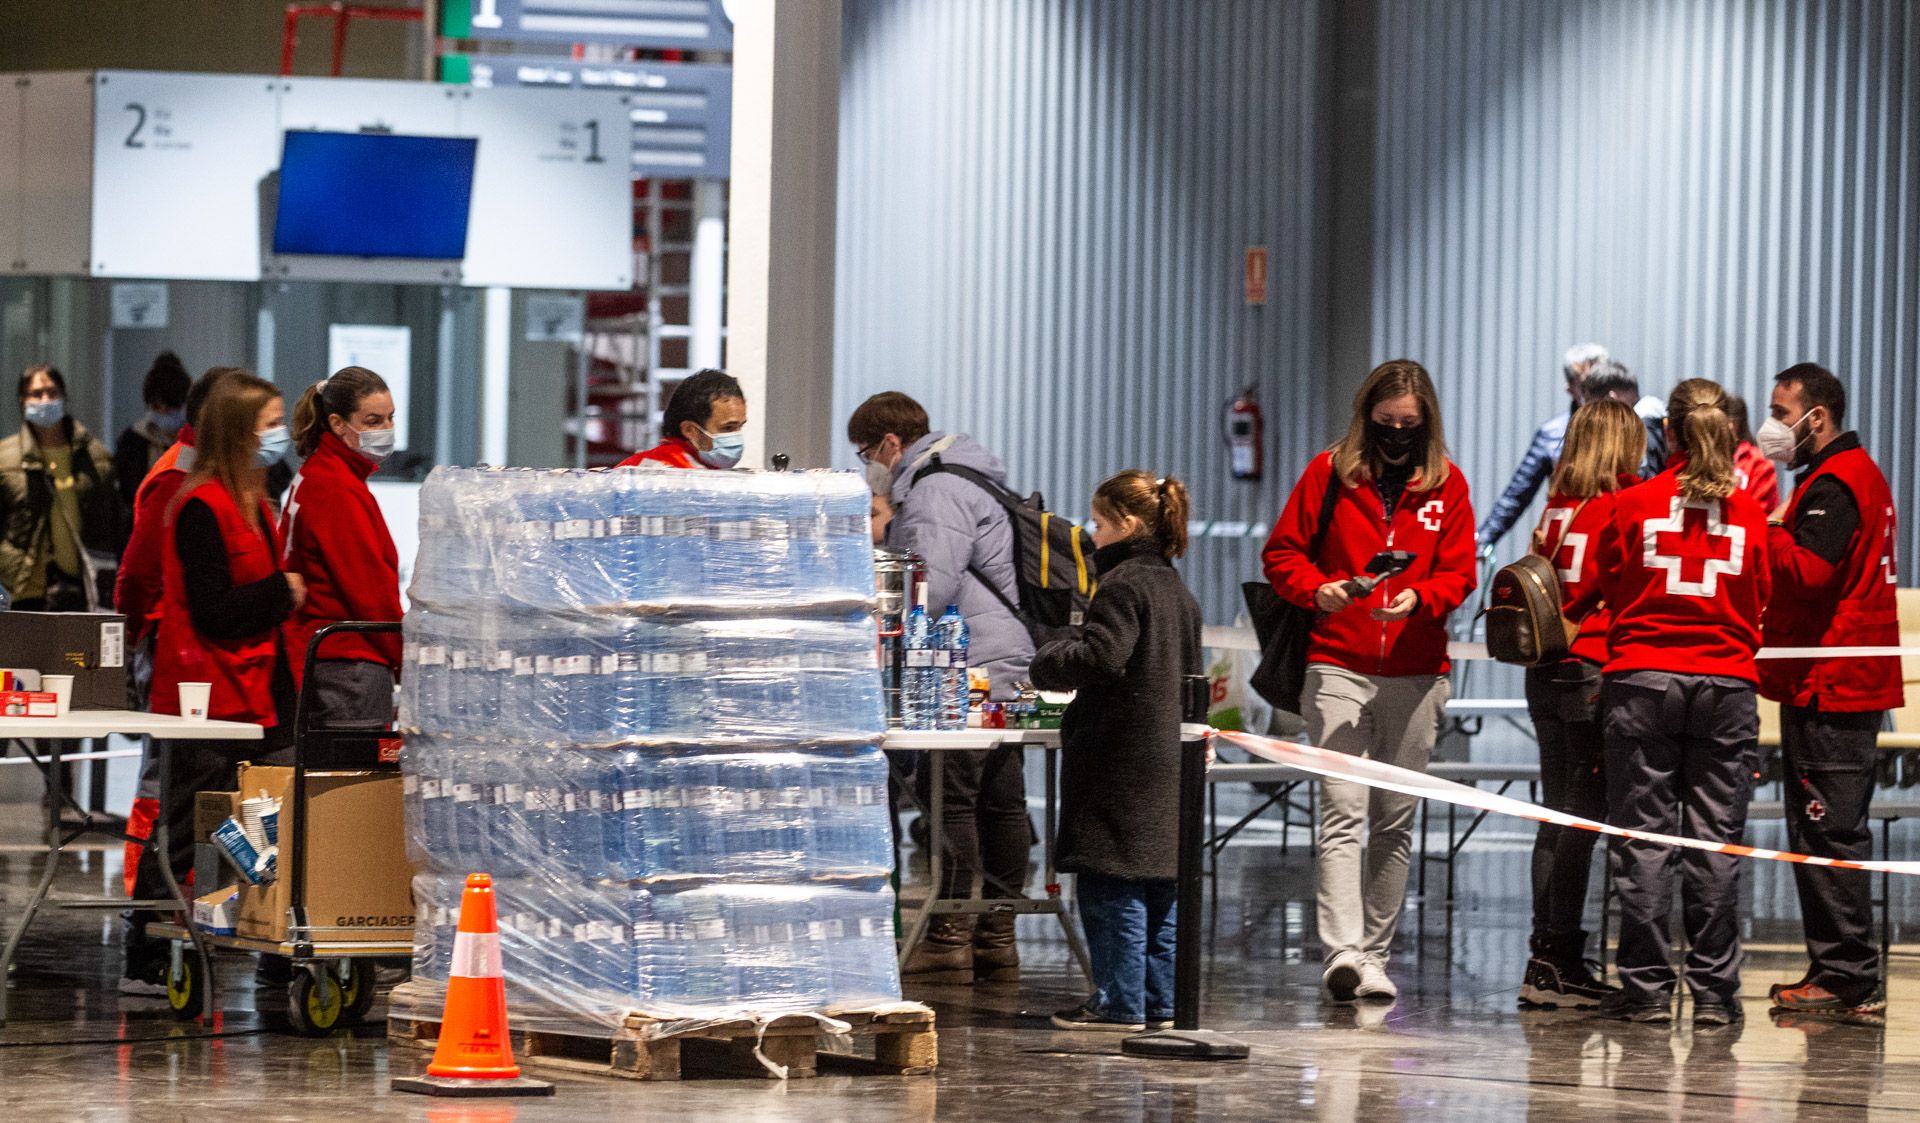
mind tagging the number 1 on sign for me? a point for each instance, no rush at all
(488, 15)
(593, 143)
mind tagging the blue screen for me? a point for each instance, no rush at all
(374, 195)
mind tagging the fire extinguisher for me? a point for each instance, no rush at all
(1244, 436)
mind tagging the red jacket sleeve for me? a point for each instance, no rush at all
(138, 586)
(1456, 571)
(1798, 566)
(350, 541)
(1292, 573)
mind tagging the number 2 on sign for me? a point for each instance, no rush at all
(139, 122)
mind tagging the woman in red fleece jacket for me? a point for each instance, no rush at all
(1377, 665)
(1683, 568)
(338, 540)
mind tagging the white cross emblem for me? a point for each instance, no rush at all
(1572, 547)
(1429, 515)
(1886, 559)
(293, 514)
(1686, 544)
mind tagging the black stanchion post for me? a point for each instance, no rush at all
(1187, 1041)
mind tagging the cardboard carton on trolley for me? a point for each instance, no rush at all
(359, 883)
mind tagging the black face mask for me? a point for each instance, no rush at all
(1396, 444)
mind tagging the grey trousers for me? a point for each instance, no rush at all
(1366, 834)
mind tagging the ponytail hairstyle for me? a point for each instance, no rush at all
(340, 396)
(1160, 503)
(225, 440)
(1697, 420)
(1605, 440)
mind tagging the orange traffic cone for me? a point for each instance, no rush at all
(474, 1056)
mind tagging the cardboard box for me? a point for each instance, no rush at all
(90, 646)
(213, 914)
(29, 703)
(359, 882)
(210, 809)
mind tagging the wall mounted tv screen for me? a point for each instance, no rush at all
(374, 195)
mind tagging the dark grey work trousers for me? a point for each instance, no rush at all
(1681, 751)
(1830, 761)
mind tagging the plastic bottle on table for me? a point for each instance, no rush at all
(920, 679)
(951, 637)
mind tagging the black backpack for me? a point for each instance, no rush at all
(1052, 559)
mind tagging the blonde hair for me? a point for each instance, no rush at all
(1605, 440)
(1697, 419)
(1354, 458)
(224, 442)
(1160, 503)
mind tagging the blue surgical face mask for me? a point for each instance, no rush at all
(169, 420)
(376, 444)
(47, 412)
(727, 449)
(274, 444)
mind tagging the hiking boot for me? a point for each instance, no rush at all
(996, 956)
(1712, 1011)
(1622, 1007)
(1808, 998)
(1553, 985)
(945, 955)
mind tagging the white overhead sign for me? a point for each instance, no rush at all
(139, 305)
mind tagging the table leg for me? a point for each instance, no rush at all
(936, 854)
(1074, 942)
(55, 790)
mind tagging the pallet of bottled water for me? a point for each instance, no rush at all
(649, 704)
(643, 540)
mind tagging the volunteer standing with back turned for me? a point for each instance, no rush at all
(1833, 570)
(337, 540)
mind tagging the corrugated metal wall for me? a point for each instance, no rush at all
(1709, 187)
(1044, 208)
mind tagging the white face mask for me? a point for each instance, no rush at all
(376, 444)
(1777, 440)
(879, 478)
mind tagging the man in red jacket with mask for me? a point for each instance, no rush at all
(1831, 553)
(702, 422)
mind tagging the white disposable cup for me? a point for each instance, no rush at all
(61, 687)
(251, 811)
(194, 697)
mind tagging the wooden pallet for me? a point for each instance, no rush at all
(904, 1044)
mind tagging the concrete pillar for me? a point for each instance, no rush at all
(786, 119)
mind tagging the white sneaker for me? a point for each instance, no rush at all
(1374, 982)
(1342, 979)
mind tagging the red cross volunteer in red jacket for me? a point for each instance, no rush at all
(337, 540)
(1683, 568)
(1376, 668)
(1606, 442)
(1834, 576)
(226, 603)
(703, 422)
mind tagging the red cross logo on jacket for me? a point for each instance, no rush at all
(1694, 545)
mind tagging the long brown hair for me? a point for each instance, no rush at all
(1605, 440)
(1160, 503)
(1355, 458)
(224, 441)
(1697, 420)
(340, 394)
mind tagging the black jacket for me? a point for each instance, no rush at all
(1120, 768)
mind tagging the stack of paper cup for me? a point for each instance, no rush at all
(253, 814)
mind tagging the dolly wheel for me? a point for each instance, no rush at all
(183, 984)
(359, 987)
(316, 1003)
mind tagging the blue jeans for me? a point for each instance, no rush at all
(1130, 935)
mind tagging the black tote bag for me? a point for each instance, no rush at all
(1284, 628)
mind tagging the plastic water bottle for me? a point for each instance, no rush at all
(919, 689)
(951, 638)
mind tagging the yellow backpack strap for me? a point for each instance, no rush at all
(1079, 560)
(1046, 554)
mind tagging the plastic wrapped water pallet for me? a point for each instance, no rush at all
(648, 702)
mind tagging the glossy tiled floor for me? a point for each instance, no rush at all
(1453, 1047)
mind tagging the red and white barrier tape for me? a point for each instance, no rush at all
(1242, 639)
(1340, 766)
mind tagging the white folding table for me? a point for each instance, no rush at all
(87, 725)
